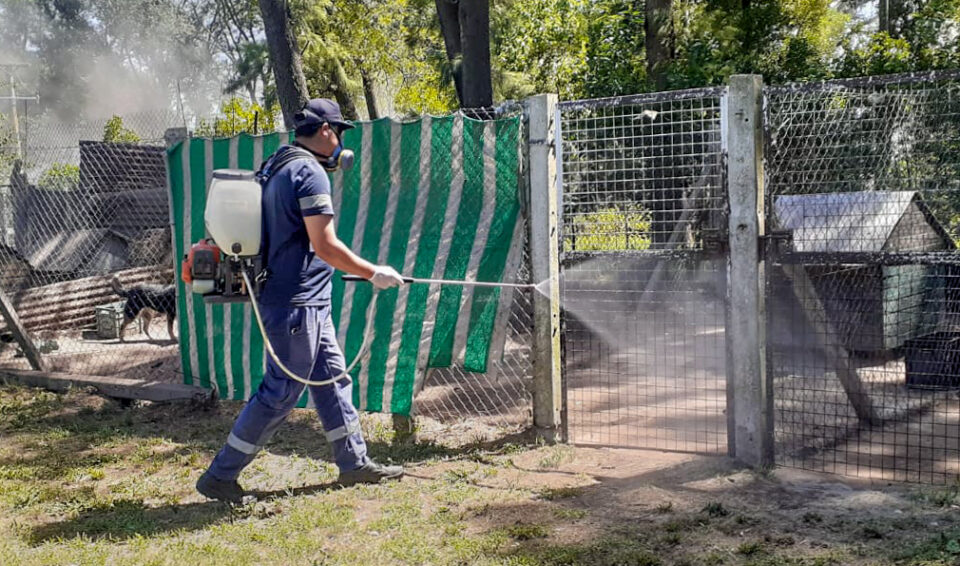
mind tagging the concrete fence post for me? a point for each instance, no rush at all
(749, 387)
(545, 259)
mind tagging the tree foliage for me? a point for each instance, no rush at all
(539, 46)
(93, 58)
(238, 115)
(387, 57)
(393, 44)
(115, 132)
(611, 228)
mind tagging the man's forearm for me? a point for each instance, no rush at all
(339, 256)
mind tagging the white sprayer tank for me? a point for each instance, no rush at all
(232, 215)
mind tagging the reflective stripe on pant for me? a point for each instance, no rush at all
(305, 341)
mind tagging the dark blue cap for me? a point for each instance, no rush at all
(318, 111)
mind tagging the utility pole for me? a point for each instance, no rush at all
(13, 115)
(6, 214)
(10, 68)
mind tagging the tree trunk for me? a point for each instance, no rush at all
(340, 86)
(448, 13)
(475, 38)
(370, 96)
(658, 40)
(285, 58)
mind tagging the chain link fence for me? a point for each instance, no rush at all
(642, 285)
(499, 401)
(76, 211)
(863, 181)
(862, 185)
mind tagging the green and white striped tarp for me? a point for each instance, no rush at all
(435, 198)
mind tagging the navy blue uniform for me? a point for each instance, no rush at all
(295, 306)
(297, 276)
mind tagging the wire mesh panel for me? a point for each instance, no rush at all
(642, 283)
(499, 400)
(863, 181)
(76, 211)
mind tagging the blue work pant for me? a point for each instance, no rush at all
(305, 341)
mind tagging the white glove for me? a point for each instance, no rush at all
(385, 277)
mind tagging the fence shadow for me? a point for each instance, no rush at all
(133, 518)
(196, 431)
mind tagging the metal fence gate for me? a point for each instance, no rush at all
(863, 182)
(642, 283)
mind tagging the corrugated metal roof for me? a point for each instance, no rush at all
(69, 250)
(845, 222)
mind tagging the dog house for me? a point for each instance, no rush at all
(871, 307)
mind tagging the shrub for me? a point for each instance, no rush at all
(60, 177)
(609, 229)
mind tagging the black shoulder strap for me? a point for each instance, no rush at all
(291, 155)
(263, 176)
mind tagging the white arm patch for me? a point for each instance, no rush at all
(315, 201)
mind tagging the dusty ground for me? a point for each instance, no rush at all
(81, 352)
(649, 371)
(86, 481)
(497, 398)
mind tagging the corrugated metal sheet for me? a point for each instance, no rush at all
(842, 222)
(132, 212)
(78, 250)
(114, 167)
(72, 304)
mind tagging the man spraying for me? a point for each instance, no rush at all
(301, 250)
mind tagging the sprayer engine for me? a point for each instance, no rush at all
(214, 268)
(218, 276)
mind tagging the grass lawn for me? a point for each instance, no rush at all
(84, 480)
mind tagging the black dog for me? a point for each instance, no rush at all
(144, 299)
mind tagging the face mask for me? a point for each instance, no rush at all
(341, 159)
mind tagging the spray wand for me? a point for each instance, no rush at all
(453, 282)
(369, 324)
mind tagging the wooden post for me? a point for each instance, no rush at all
(20, 333)
(749, 388)
(545, 259)
(836, 355)
(116, 387)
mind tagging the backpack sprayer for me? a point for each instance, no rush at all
(228, 268)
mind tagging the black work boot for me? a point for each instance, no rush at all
(370, 472)
(221, 490)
